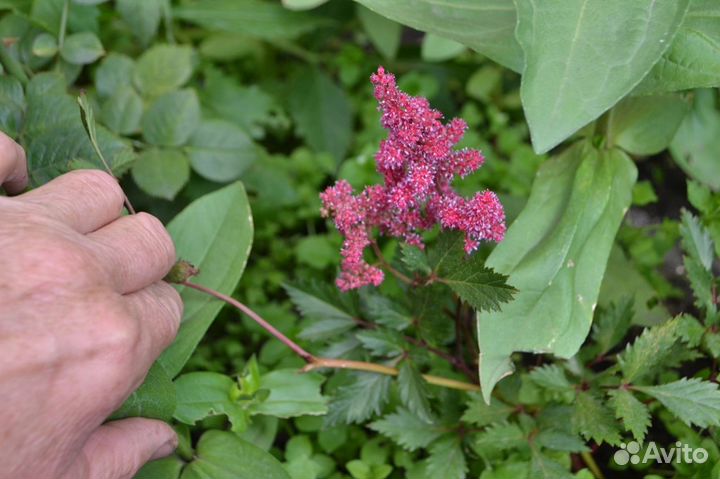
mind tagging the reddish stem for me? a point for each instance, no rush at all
(255, 317)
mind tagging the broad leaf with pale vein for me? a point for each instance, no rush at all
(555, 254)
(487, 26)
(581, 57)
(693, 59)
(214, 233)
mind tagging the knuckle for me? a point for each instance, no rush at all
(158, 239)
(101, 184)
(120, 332)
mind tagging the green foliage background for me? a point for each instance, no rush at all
(225, 118)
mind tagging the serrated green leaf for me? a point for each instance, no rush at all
(695, 147)
(711, 342)
(220, 151)
(223, 455)
(571, 60)
(500, 437)
(428, 306)
(163, 68)
(81, 48)
(646, 354)
(646, 125)
(291, 394)
(488, 27)
(693, 59)
(481, 414)
(154, 399)
(142, 16)
(476, 284)
(214, 233)
(414, 259)
(560, 441)
(321, 111)
(381, 342)
(699, 253)
(161, 172)
(122, 111)
(204, 394)
(413, 391)
(319, 301)
(612, 324)
(407, 429)
(543, 467)
(690, 330)
(385, 311)
(552, 378)
(384, 33)
(360, 400)
(447, 459)
(693, 401)
(555, 254)
(594, 420)
(255, 18)
(634, 414)
(114, 72)
(172, 118)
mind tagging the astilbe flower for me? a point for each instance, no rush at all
(418, 163)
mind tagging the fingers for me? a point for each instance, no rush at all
(136, 251)
(83, 199)
(118, 449)
(158, 309)
(13, 166)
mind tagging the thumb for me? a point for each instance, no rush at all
(116, 450)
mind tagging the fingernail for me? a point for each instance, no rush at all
(166, 449)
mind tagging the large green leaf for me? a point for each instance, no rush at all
(384, 33)
(695, 147)
(321, 111)
(487, 26)
(203, 394)
(555, 254)
(223, 455)
(645, 125)
(154, 399)
(291, 394)
(12, 105)
(252, 17)
(693, 59)
(215, 234)
(582, 57)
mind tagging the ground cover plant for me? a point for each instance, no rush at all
(476, 239)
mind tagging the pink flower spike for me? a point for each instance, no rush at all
(418, 164)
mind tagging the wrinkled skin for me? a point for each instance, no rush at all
(83, 314)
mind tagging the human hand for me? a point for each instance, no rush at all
(83, 314)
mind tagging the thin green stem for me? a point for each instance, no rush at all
(592, 465)
(63, 23)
